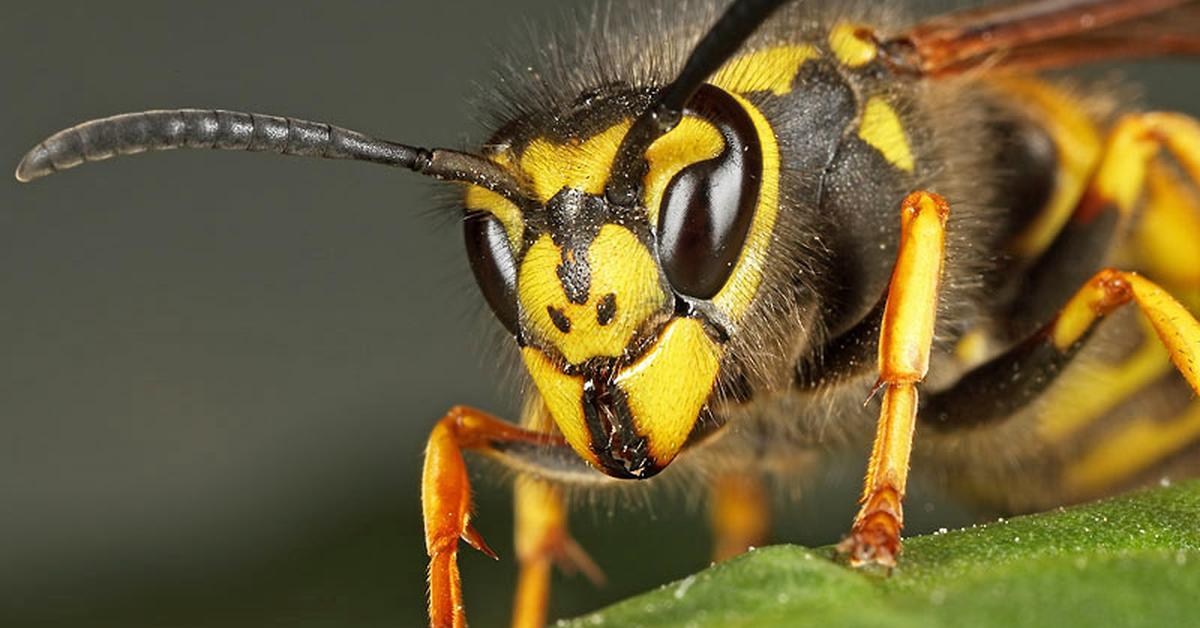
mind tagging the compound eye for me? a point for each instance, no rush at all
(493, 264)
(708, 207)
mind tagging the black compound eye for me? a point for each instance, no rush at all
(494, 266)
(708, 206)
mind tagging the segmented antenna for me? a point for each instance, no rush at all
(131, 133)
(728, 34)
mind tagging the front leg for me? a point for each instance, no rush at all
(446, 492)
(905, 340)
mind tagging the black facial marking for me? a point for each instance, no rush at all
(559, 319)
(606, 309)
(575, 276)
(620, 450)
(573, 220)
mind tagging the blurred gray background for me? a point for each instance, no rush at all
(218, 370)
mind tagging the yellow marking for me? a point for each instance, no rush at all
(693, 141)
(738, 292)
(482, 199)
(563, 395)
(1167, 238)
(972, 348)
(1139, 444)
(1078, 145)
(852, 45)
(773, 70)
(1080, 400)
(1181, 135)
(1121, 176)
(669, 385)
(881, 128)
(1133, 448)
(581, 164)
(620, 265)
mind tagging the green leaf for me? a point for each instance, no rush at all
(1129, 561)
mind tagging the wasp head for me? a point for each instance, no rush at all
(622, 310)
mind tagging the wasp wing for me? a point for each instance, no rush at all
(1046, 34)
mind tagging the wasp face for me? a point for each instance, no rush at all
(622, 312)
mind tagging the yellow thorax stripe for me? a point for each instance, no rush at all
(851, 48)
(772, 69)
(882, 129)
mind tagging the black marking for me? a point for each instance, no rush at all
(559, 319)
(1078, 252)
(620, 450)
(557, 462)
(1027, 169)
(1000, 388)
(573, 220)
(606, 309)
(575, 275)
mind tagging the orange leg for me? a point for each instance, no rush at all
(740, 511)
(905, 340)
(446, 501)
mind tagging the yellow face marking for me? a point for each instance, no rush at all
(620, 266)
(1134, 447)
(882, 129)
(773, 70)
(581, 165)
(852, 45)
(481, 199)
(563, 395)
(693, 141)
(1077, 142)
(669, 385)
(737, 294)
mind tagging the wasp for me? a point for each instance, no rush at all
(708, 255)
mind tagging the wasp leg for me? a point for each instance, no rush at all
(905, 341)
(1109, 202)
(1037, 362)
(541, 539)
(740, 512)
(1164, 240)
(446, 492)
(1166, 246)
